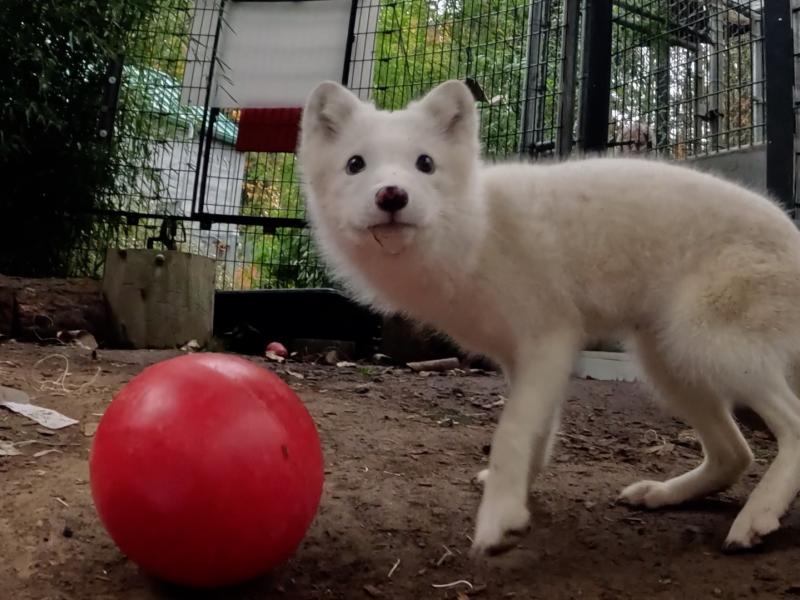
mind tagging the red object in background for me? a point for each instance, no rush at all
(206, 470)
(278, 349)
(268, 129)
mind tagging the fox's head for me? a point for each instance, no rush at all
(385, 186)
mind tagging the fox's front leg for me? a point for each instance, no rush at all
(522, 441)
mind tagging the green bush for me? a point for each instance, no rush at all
(55, 165)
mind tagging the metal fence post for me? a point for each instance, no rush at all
(595, 97)
(779, 73)
(566, 116)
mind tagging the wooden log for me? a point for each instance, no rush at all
(159, 299)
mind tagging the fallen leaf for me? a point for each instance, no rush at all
(8, 449)
(41, 453)
(664, 448)
(689, 438)
(78, 337)
(269, 355)
(191, 346)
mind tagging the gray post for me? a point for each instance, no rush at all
(660, 50)
(716, 108)
(531, 124)
(566, 114)
(757, 60)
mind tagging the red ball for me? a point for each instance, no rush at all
(206, 470)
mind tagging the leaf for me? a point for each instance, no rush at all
(8, 449)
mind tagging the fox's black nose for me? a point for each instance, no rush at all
(391, 198)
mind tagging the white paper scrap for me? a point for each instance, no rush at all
(43, 416)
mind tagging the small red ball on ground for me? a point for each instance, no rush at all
(206, 470)
(278, 349)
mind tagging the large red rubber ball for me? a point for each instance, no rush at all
(206, 470)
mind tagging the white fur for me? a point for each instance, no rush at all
(526, 264)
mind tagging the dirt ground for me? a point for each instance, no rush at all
(401, 450)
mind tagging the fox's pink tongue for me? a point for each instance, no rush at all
(393, 240)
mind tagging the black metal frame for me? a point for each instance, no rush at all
(779, 67)
(206, 132)
(566, 117)
(351, 38)
(210, 114)
(108, 108)
(595, 99)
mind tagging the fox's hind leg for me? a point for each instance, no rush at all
(726, 453)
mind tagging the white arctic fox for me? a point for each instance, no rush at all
(526, 263)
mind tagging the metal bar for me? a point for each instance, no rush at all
(108, 109)
(757, 67)
(532, 79)
(717, 109)
(540, 126)
(209, 141)
(699, 105)
(270, 222)
(636, 10)
(779, 74)
(351, 38)
(566, 116)
(673, 39)
(660, 52)
(201, 150)
(595, 99)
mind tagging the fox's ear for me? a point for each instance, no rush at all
(328, 108)
(452, 106)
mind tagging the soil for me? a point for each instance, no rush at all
(401, 450)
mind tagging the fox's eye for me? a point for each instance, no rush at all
(425, 164)
(355, 165)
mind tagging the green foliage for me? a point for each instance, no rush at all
(56, 166)
(421, 43)
(285, 259)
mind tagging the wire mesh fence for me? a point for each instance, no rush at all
(169, 175)
(687, 80)
(687, 77)
(174, 196)
(417, 45)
